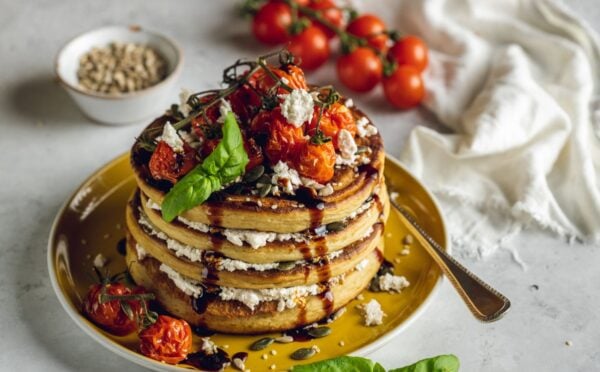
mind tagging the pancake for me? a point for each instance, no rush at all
(233, 316)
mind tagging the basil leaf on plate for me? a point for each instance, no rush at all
(227, 162)
(440, 363)
(341, 364)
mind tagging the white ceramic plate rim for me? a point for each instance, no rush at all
(157, 366)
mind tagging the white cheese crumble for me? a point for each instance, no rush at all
(297, 107)
(349, 103)
(190, 138)
(347, 145)
(100, 261)
(187, 286)
(362, 265)
(198, 226)
(394, 195)
(224, 109)
(184, 95)
(372, 313)
(171, 138)
(326, 191)
(208, 346)
(365, 128)
(392, 283)
(286, 177)
(253, 297)
(141, 252)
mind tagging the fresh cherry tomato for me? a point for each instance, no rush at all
(335, 118)
(167, 340)
(331, 12)
(360, 70)
(110, 315)
(271, 22)
(372, 28)
(255, 153)
(166, 164)
(310, 47)
(316, 161)
(410, 50)
(404, 88)
(284, 138)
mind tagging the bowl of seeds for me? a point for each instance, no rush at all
(119, 74)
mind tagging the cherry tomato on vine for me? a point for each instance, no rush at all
(360, 70)
(110, 315)
(372, 28)
(310, 47)
(404, 88)
(167, 340)
(335, 118)
(284, 139)
(332, 14)
(316, 161)
(410, 50)
(271, 22)
(166, 164)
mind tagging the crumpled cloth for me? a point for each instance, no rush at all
(515, 82)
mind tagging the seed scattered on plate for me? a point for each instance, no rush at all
(568, 342)
(303, 353)
(360, 297)
(273, 366)
(319, 332)
(261, 344)
(273, 352)
(408, 239)
(341, 343)
(265, 356)
(285, 339)
(397, 260)
(405, 252)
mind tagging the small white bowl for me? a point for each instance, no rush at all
(127, 107)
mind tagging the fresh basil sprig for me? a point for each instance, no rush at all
(227, 162)
(440, 363)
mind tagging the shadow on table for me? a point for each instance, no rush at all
(41, 99)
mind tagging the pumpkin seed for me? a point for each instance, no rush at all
(303, 353)
(286, 265)
(264, 190)
(319, 332)
(264, 179)
(254, 174)
(336, 226)
(284, 339)
(361, 149)
(261, 344)
(374, 286)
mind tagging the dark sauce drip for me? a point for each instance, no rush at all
(378, 203)
(122, 247)
(240, 355)
(215, 215)
(209, 362)
(324, 270)
(381, 259)
(301, 316)
(305, 250)
(327, 300)
(200, 304)
(316, 217)
(202, 331)
(369, 170)
(217, 241)
(307, 196)
(300, 334)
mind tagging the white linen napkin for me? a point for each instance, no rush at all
(516, 83)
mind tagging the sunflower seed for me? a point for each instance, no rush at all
(284, 339)
(336, 226)
(286, 265)
(319, 332)
(254, 174)
(261, 344)
(303, 353)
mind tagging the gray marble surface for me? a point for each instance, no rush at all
(47, 148)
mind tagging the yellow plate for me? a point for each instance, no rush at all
(92, 222)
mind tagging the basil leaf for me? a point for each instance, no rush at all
(440, 363)
(341, 364)
(227, 162)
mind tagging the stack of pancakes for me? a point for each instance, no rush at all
(252, 264)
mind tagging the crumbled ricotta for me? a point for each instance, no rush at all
(224, 109)
(186, 285)
(141, 252)
(392, 283)
(326, 191)
(228, 264)
(100, 261)
(255, 239)
(190, 138)
(253, 297)
(362, 265)
(365, 128)
(297, 107)
(152, 205)
(372, 313)
(286, 177)
(208, 346)
(198, 226)
(394, 195)
(171, 138)
(347, 145)
(184, 95)
(349, 103)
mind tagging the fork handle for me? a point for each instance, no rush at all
(486, 303)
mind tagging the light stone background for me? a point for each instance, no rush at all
(47, 148)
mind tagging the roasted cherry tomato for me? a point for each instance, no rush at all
(334, 118)
(360, 70)
(404, 88)
(316, 161)
(284, 139)
(255, 153)
(331, 12)
(245, 104)
(203, 124)
(372, 28)
(167, 340)
(410, 50)
(110, 315)
(263, 82)
(271, 22)
(166, 164)
(310, 47)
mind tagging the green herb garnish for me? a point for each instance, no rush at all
(440, 363)
(227, 162)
